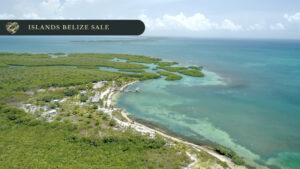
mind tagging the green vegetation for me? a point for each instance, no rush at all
(81, 60)
(27, 78)
(47, 98)
(167, 63)
(70, 92)
(95, 60)
(173, 69)
(170, 76)
(129, 58)
(58, 118)
(19, 80)
(95, 107)
(207, 160)
(118, 115)
(183, 70)
(3, 64)
(112, 122)
(83, 98)
(57, 53)
(196, 67)
(82, 87)
(234, 157)
(29, 143)
(194, 73)
(80, 136)
(145, 76)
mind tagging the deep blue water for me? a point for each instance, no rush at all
(248, 101)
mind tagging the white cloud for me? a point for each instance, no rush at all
(78, 1)
(31, 16)
(256, 27)
(196, 22)
(56, 8)
(229, 25)
(7, 16)
(277, 26)
(51, 5)
(292, 18)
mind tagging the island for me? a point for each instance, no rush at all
(56, 111)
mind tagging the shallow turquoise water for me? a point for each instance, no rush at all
(248, 101)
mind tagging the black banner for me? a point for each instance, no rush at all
(71, 27)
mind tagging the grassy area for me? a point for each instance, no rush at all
(170, 76)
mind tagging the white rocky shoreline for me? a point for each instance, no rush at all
(107, 96)
(152, 132)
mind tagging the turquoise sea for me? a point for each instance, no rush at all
(248, 101)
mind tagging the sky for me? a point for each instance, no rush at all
(279, 19)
